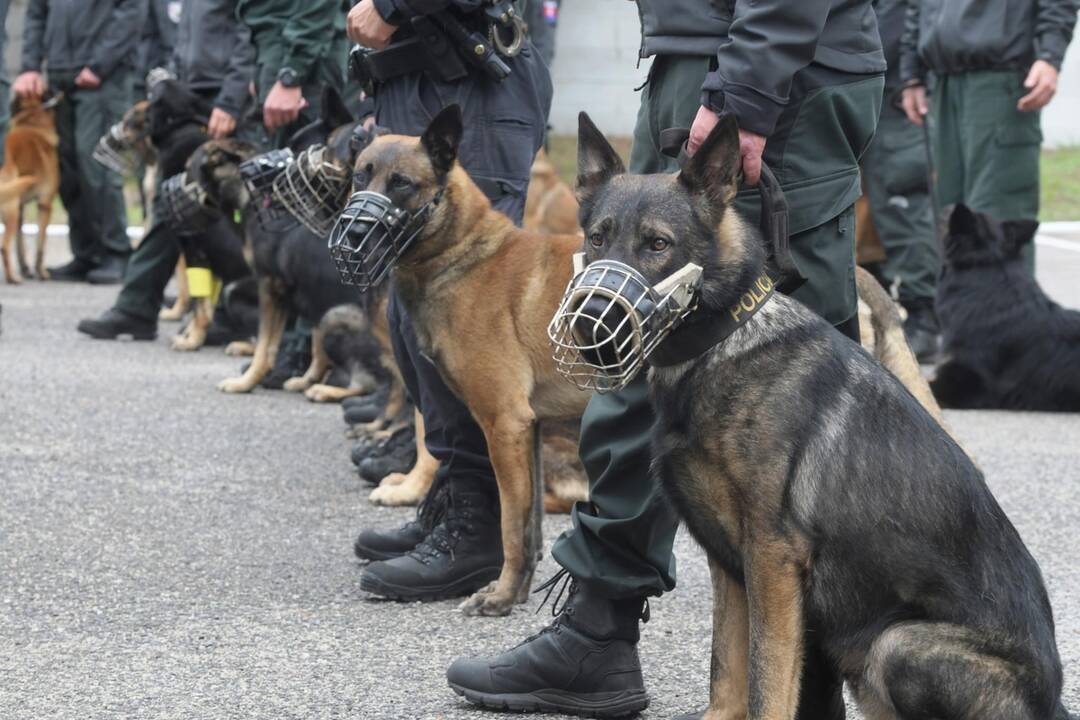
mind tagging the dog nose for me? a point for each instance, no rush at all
(602, 332)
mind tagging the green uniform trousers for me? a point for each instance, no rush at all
(92, 195)
(896, 183)
(621, 541)
(986, 152)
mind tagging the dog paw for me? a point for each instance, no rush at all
(182, 343)
(13, 279)
(488, 603)
(239, 348)
(394, 495)
(171, 314)
(43, 274)
(296, 384)
(234, 385)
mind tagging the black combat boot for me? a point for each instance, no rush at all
(74, 271)
(461, 554)
(922, 330)
(113, 323)
(396, 453)
(584, 663)
(109, 272)
(386, 544)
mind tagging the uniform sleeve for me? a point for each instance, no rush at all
(398, 12)
(1054, 21)
(768, 42)
(911, 66)
(309, 34)
(119, 41)
(234, 87)
(33, 51)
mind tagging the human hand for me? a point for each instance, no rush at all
(751, 145)
(366, 26)
(87, 79)
(1042, 82)
(221, 124)
(913, 100)
(29, 84)
(282, 106)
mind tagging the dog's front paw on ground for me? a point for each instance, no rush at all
(391, 492)
(183, 343)
(43, 274)
(322, 393)
(296, 384)
(240, 348)
(234, 385)
(13, 279)
(489, 602)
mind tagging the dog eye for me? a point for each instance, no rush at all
(400, 181)
(596, 239)
(659, 244)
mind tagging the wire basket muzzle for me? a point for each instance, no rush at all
(314, 189)
(608, 322)
(184, 206)
(114, 150)
(259, 174)
(369, 237)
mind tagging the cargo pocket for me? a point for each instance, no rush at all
(905, 155)
(1009, 181)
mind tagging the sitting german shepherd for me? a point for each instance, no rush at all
(481, 293)
(848, 536)
(1007, 345)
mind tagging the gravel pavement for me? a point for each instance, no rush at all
(168, 551)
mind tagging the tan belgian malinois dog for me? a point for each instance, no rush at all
(481, 293)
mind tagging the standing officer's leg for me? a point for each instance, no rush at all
(896, 182)
(80, 239)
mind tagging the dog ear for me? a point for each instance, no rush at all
(597, 161)
(963, 220)
(442, 137)
(1017, 234)
(334, 112)
(714, 168)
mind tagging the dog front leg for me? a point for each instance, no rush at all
(271, 326)
(183, 294)
(9, 233)
(411, 488)
(320, 365)
(510, 445)
(194, 334)
(774, 590)
(728, 678)
(44, 215)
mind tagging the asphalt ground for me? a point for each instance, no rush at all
(168, 551)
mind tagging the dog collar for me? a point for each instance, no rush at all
(702, 331)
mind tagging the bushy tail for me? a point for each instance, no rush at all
(885, 339)
(15, 188)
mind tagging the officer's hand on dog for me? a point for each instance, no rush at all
(913, 100)
(221, 124)
(29, 84)
(87, 79)
(282, 106)
(1042, 82)
(367, 27)
(751, 145)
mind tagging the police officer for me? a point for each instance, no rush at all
(88, 48)
(214, 58)
(504, 126)
(991, 65)
(897, 185)
(804, 80)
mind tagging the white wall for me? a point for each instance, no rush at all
(595, 56)
(596, 52)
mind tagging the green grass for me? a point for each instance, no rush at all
(1060, 174)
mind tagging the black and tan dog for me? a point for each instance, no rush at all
(1007, 345)
(481, 293)
(848, 536)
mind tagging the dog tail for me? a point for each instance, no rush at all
(15, 188)
(880, 321)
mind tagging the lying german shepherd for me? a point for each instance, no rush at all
(848, 536)
(31, 173)
(1007, 345)
(481, 293)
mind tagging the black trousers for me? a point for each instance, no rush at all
(504, 127)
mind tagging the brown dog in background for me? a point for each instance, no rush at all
(31, 172)
(550, 206)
